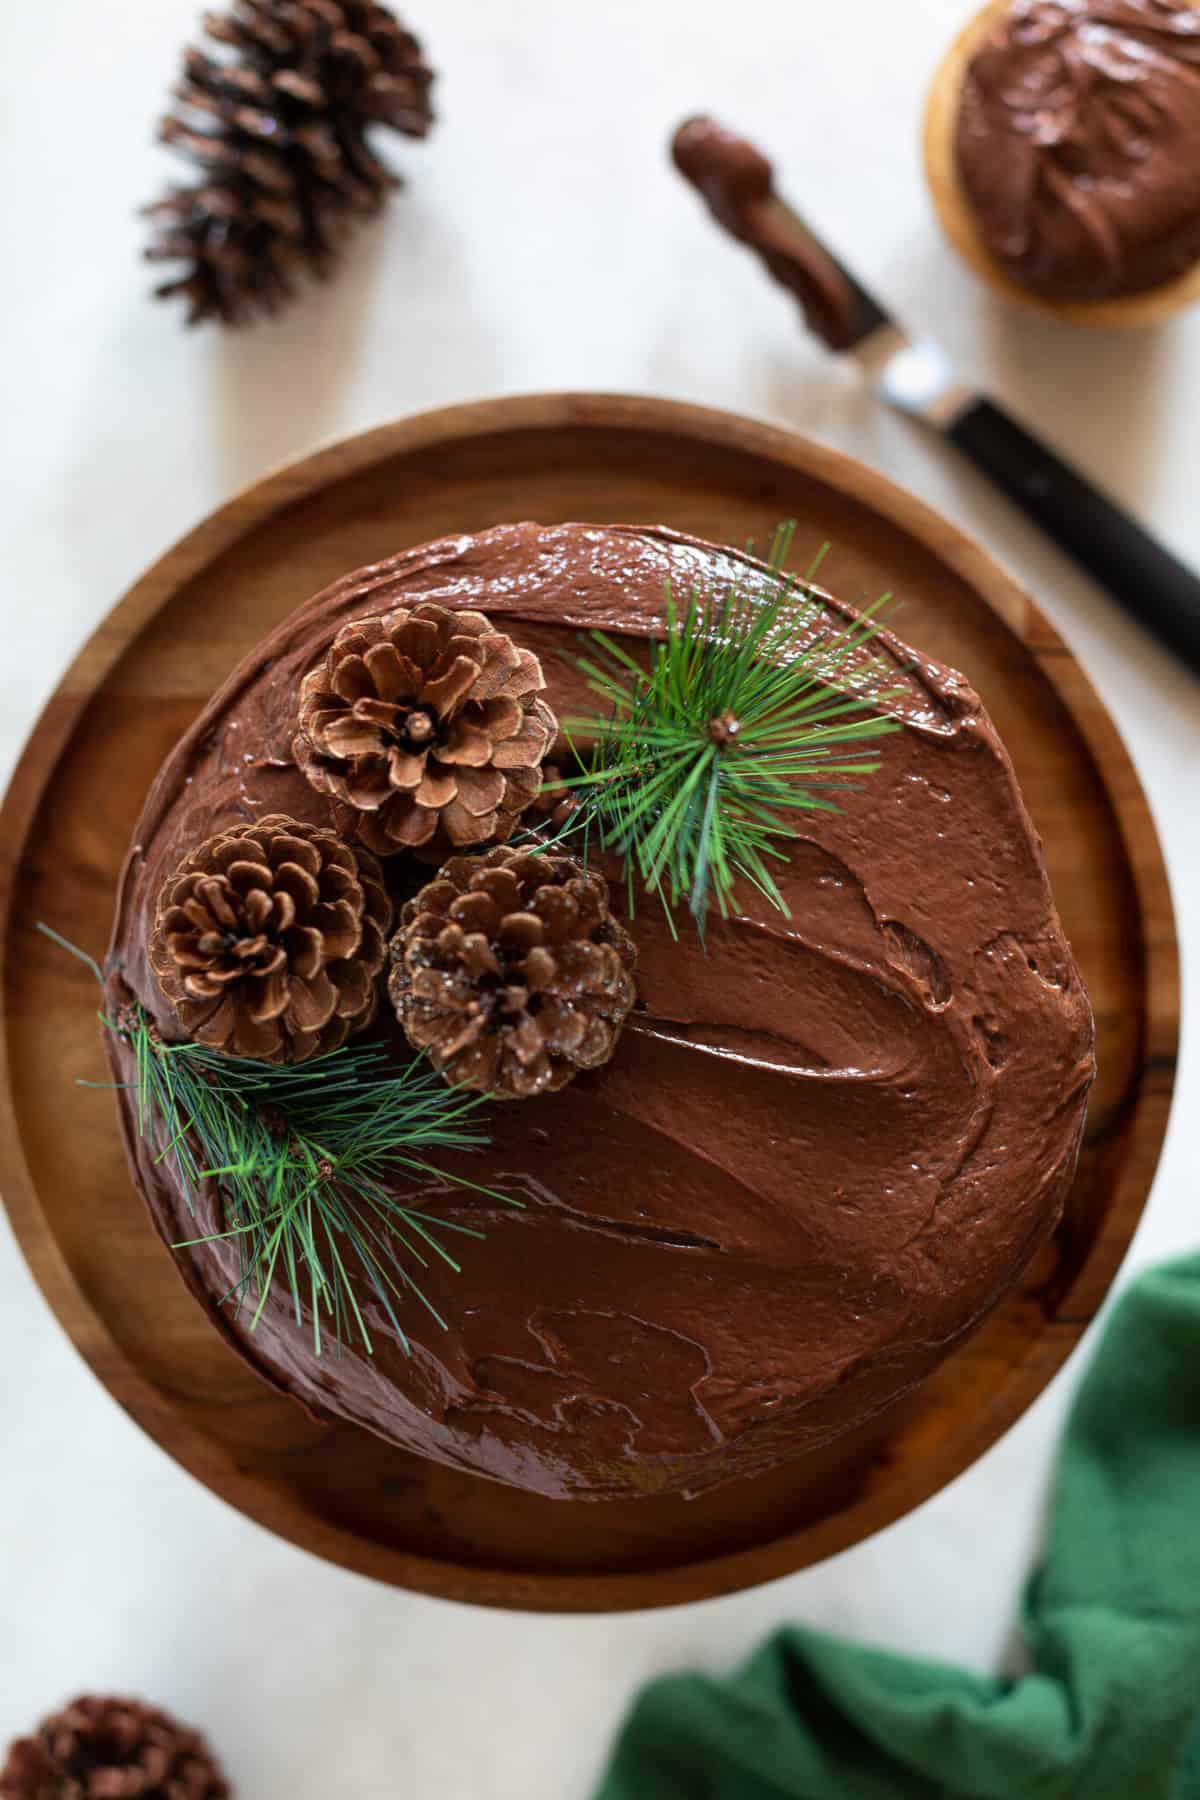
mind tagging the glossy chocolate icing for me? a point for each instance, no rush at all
(821, 1152)
(1078, 144)
(736, 180)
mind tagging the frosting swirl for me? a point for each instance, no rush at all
(1078, 144)
(823, 1150)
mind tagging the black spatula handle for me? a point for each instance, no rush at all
(1133, 566)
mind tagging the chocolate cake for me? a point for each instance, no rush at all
(825, 1142)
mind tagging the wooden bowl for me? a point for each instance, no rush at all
(334, 1489)
(957, 216)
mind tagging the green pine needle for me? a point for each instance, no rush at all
(701, 760)
(304, 1155)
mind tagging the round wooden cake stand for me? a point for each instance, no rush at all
(67, 819)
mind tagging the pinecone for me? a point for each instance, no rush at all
(269, 938)
(555, 802)
(510, 970)
(280, 129)
(111, 1750)
(421, 722)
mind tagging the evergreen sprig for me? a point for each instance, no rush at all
(303, 1155)
(702, 758)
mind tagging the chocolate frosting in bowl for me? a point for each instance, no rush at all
(822, 1150)
(1078, 144)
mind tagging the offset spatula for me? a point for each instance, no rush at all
(913, 375)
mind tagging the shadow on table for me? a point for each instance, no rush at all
(279, 385)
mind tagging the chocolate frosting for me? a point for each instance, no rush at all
(1078, 144)
(822, 1150)
(736, 180)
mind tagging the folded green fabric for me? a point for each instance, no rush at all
(1112, 1619)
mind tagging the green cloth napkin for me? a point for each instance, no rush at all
(1112, 1619)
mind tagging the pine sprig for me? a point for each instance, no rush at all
(300, 1154)
(303, 1156)
(701, 760)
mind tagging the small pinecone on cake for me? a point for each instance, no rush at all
(106, 1749)
(555, 801)
(426, 721)
(512, 972)
(280, 129)
(268, 940)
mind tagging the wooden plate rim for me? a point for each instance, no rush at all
(294, 481)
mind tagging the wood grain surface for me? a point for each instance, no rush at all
(65, 826)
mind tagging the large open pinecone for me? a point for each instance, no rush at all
(106, 1749)
(424, 721)
(280, 129)
(269, 939)
(510, 970)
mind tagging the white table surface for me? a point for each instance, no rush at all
(543, 242)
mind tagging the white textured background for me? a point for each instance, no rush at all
(543, 242)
